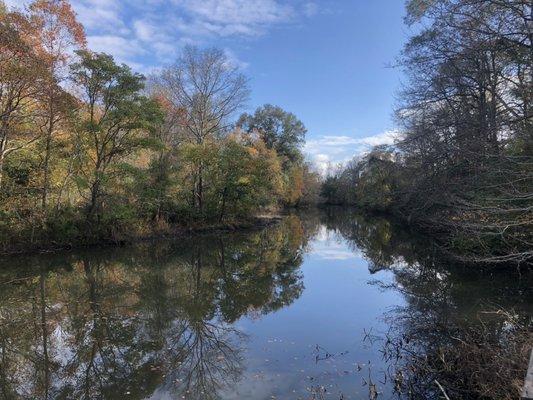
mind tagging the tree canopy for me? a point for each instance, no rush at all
(91, 150)
(279, 129)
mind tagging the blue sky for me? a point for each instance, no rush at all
(324, 60)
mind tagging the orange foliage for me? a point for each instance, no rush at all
(55, 30)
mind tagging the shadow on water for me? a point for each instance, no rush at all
(160, 319)
(462, 332)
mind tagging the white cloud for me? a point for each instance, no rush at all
(234, 60)
(387, 137)
(152, 32)
(322, 162)
(328, 246)
(310, 9)
(160, 28)
(144, 30)
(237, 17)
(332, 150)
(101, 16)
(122, 48)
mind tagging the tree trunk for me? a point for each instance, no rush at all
(48, 149)
(46, 183)
(3, 146)
(1, 167)
(200, 189)
(95, 194)
(223, 206)
(493, 120)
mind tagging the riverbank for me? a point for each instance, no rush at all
(452, 243)
(120, 236)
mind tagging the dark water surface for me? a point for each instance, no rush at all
(300, 310)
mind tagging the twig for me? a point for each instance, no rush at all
(442, 389)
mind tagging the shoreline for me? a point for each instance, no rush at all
(437, 236)
(176, 231)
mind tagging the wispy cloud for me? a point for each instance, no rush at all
(101, 16)
(236, 17)
(151, 32)
(146, 33)
(310, 9)
(334, 150)
(121, 47)
(234, 60)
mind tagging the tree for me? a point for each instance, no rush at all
(279, 129)
(158, 191)
(20, 77)
(56, 34)
(247, 176)
(116, 118)
(463, 167)
(468, 120)
(205, 85)
(311, 185)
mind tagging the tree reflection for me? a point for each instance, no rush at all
(463, 326)
(142, 321)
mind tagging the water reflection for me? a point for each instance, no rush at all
(185, 318)
(153, 319)
(466, 328)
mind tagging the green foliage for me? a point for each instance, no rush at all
(239, 176)
(246, 177)
(279, 129)
(369, 182)
(283, 132)
(117, 120)
(106, 162)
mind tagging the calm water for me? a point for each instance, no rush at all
(299, 310)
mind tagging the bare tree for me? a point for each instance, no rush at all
(463, 166)
(467, 119)
(209, 89)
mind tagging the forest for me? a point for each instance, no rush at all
(91, 151)
(462, 166)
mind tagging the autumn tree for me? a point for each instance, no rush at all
(56, 34)
(158, 190)
(20, 78)
(247, 176)
(82, 132)
(116, 119)
(283, 132)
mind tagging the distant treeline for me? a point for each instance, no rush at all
(90, 150)
(462, 167)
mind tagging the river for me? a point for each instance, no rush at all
(323, 305)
